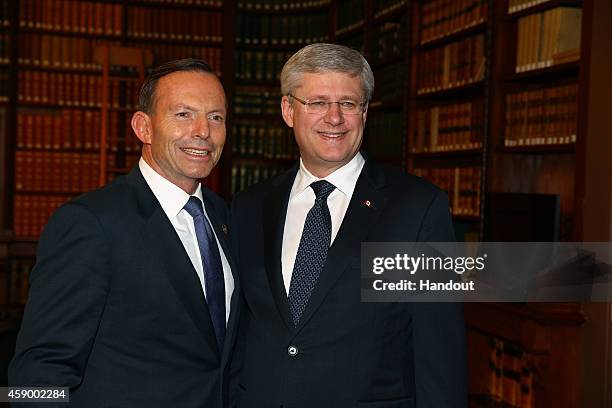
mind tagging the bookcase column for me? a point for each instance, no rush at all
(594, 194)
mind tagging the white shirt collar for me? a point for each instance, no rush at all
(171, 197)
(344, 178)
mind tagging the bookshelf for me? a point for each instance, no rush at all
(534, 102)
(259, 144)
(51, 102)
(380, 30)
(450, 74)
(463, 97)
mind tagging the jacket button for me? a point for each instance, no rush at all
(292, 351)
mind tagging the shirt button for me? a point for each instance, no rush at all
(292, 351)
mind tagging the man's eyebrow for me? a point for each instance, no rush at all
(183, 106)
(327, 97)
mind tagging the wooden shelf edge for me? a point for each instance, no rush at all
(391, 11)
(448, 153)
(542, 6)
(476, 28)
(69, 33)
(218, 6)
(350, 30)
(568, 68)
(274, 47)
(548, 314)
(535, 149)
(267, 8)
(447, 91)
(468, 218)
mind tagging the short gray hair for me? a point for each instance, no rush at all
(322, 57)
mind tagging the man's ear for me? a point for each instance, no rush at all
(287, 110)
(365, 114)
(141, 124)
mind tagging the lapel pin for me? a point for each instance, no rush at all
(224, 228)
(368, 203)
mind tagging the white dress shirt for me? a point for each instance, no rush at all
(172, 200)
(302, 199)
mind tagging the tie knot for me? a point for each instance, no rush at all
(194, 207)
(322, 188)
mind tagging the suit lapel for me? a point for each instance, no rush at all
(166, 249)
(274, 214)
(359, 220)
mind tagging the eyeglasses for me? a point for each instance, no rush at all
(320, 107)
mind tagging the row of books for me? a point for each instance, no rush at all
(440, 18)
(169, 52)
(454, 127)
(510, 375)
(515, 6)
(355, 41)
(79, 90)
(174, 24)
(5, 13)
(277, 5)
(351, 13)
(73, 129)
(390, 83)
(260, 65)
(66, 172)
(59, 172)
(30, 214)
(56, 51)
(546, 116)
(388, 41)
(383, 7)
(456, 64)
(245, 175)
(263, 140)
(205, 3)
(5, 50)
(4, 85)
(14, 287)
(261, 29)
(462, 185)
(255, 100)
(3, 117)
(384, 134)
(548, 38)
(92, 17)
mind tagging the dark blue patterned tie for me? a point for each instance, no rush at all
(312, 250)
(213, 269)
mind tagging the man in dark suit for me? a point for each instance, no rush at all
(133, 298)
(306, 340)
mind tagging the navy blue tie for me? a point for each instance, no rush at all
(312, 251)
(213, 269)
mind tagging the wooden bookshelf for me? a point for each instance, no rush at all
(50, 125)
(469, 156)
(380, 30)
(448, 105)
(259, 144)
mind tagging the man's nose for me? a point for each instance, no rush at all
(201, 127)
(334, 115)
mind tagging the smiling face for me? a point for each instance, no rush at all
(184, 135)
(327, 142)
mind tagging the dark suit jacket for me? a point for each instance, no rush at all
(349, 354)
(116, 311)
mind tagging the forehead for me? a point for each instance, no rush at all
(333, 84)
(189, 86)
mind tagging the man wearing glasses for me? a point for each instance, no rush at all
(306, 338)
